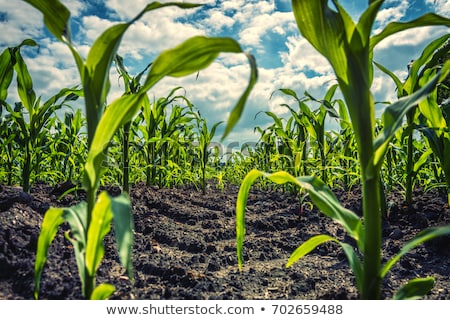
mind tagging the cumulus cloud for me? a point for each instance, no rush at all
(394, 11)
(440, 6)
(302, 55)
(19, 21)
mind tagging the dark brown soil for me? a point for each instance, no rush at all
(185, 247)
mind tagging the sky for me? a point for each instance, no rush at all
(266, 29)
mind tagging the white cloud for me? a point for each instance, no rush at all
(92, 27)
(76, 7)
(302, 55)
(127, 11)
(394, 11)
(441, 7)
(258, 26)
(21, 21)
(218, 20)
(143, 39)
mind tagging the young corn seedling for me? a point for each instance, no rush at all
(205, 137)
(90, 221)
(72, 144)
(348, 46)
(314, 122)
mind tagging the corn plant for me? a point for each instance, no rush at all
(71, 144)
(418, 70)
(314, 122)
(30, 115)
(8, 126)
(163, 134)
(205, 136)
(348, 47)
(90, 221)
(132, 85)
(10, 155)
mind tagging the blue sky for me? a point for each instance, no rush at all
(264, 28)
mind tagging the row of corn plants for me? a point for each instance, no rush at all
(171, 139)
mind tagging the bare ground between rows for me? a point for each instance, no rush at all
(185, 246)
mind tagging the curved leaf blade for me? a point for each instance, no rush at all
(415, 289)
(56, 17)
(429, 19)
(319, 193)
(76, 216)
(325, 29)
(102, 292)
(118, 113)
(314, 242)
(123, 230)
(308, 246)
(53, 218)
(420, 238)
(99, 227)
(325, 200)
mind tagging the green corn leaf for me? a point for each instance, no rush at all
(76, 216)
(45, 111)
(324, 199)
(420, 238)
(324, 29)
(429, 107)
(429, 19)
(6, 73)
(95, 72)
(355, 264)
(434, 141)
(56, 17)
(314, 242)
(118, 113)
(393, 118)
(415, 289)
(98, 63)
(397, 81)
(99, 227)
(277, 120)
(428, 56)
(366, 22)
(57, 21)
(53, 218)
(24, 84)
(189, 57)
(7, 62)
(319, 193)
(308, 246)
(422, 160)
(102, 292)
(290, 92)
(123, 230)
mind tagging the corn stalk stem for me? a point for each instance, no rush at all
(125, 158)
(89, 280)
(372, 242)
(410, 153)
